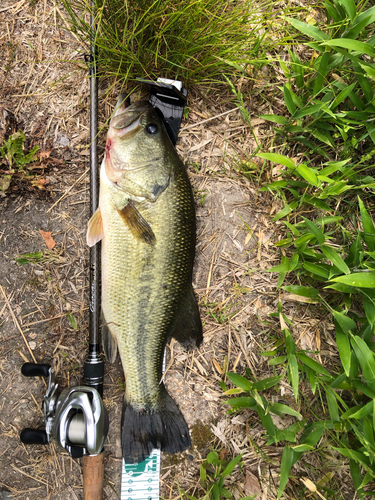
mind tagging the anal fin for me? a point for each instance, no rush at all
(109, 342)
(187, 326)
(138, 226)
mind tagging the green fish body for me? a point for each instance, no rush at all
(146, 223)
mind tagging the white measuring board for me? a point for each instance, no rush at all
(141, 481)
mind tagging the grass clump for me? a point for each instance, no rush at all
(195, 41)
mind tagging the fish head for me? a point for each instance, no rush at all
(137, 144)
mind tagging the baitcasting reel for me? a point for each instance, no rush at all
(77, 418)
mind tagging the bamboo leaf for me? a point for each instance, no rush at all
(360, 280)
(315, 230)
(348, 43)
(307, 29)
(240, 381)
(287, 460)
(368, 226)
(365, 358)
(277, 158)
(281, 120)
(311, 363)
(335, 258)
(308, 174)
(289, 100)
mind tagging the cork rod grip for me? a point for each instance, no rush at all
(93, 476)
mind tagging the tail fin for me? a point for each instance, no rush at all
(142, 431)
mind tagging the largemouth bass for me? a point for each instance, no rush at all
(146, 222)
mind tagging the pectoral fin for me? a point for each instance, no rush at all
(109, 342)
(137, 224)
(95, 228)
(187, 327)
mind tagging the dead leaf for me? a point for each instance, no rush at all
(44, 154)
(47, 236)
(223, 454)
(40, 183)
(251, 485)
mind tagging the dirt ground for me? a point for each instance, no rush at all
(45, 92)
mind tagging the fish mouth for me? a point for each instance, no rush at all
(127, 118)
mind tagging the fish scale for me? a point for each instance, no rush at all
(146, 222)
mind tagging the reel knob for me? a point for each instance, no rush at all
(33, 436)
(35, 370)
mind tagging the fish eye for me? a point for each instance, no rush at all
(151, 128)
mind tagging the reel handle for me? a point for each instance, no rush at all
(35, 370)
(33, 436)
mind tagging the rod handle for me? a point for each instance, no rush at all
(33, 436)
(35, 370)
(93, 476)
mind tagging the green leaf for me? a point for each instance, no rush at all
(281, 120)
(322, 73)
(285, 409)
(308, 174)
(343, 346)
(332, 404)
(350, 8)
(317, 269)
(309, 110)
(347, 43)
(289, 100)
(267, 383)
(300, 448)
(287, 460)
(240, 381)
(354, 455)
(307, 29)
(369, 307)
(232, 464)
(293, 373)
(362, 412)
(277, 158)
(277, 361)
(346, 323)
(241, 402)
(315, 230)
(368, 226)
(360, 280)
(285, 211)
(303, 291)
(365, 358)
(212, 457)
(203, 474)
(72, 320)
(335, 258)
(311, 363)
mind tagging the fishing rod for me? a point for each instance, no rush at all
(77, 418)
